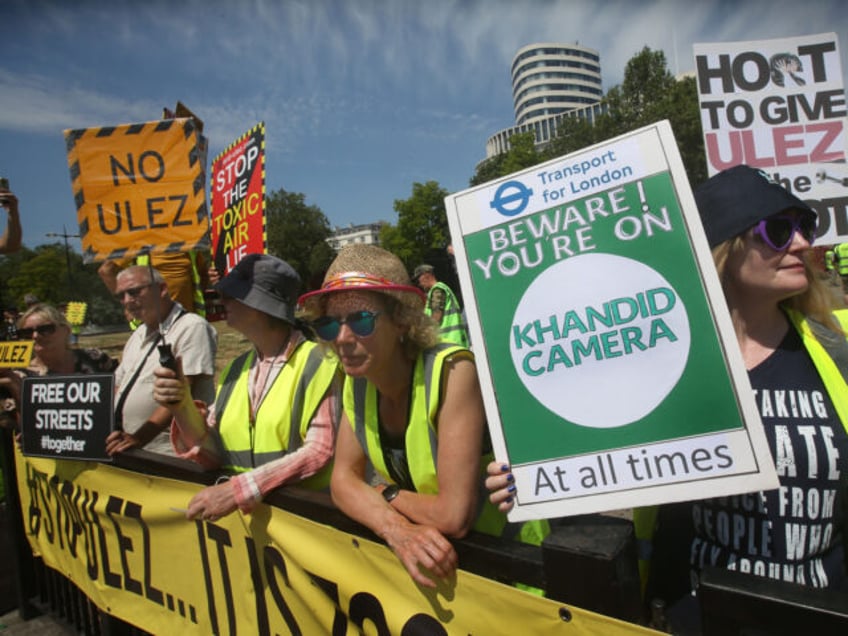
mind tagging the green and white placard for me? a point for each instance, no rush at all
(608, 362)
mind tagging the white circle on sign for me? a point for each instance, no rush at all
(600, 339)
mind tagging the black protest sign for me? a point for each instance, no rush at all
(67, 416)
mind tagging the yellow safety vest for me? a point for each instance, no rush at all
(453, 328)
(284, 414)
(841, 258)
(421, 439)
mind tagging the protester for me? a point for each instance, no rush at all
(410, 405)
(275, 416)
(184, 272)
(139, 420)
(840, 260)
(10, 327)
(10, 241)
(47, 327)
(442, 306)
(790, 339)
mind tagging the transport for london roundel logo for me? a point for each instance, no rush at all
(600, 339)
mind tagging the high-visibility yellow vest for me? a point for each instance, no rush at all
(284, 414)
(453, 328)
(360, 404)
(841, 258)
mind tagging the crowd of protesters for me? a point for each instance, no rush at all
(367, 387)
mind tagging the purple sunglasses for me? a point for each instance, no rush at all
(778, 231)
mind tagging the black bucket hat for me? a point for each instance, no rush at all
(265, 283)
(740, 197)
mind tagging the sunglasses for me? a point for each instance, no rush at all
(134, 292)
(42, 330)
(361, 323)
(778, 231)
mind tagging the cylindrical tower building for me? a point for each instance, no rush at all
(550, 81)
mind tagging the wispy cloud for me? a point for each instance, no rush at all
(40, 104)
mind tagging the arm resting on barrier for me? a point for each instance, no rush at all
(453, 509)
(414, 544)
(251, 487)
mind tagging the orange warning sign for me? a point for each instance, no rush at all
(139, 187)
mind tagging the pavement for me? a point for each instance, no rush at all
(11, 623)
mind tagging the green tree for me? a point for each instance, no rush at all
(44, 271)
(422, 224)
(683, 112)
(522, 154)
(298, 233)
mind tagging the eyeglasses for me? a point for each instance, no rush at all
(361, 323)
(42, 330)
(134, 292)
(778, 231)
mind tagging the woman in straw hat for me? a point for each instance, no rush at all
(793, 344)
(410, 404)
(274, 417)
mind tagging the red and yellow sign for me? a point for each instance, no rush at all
(138, 187)
(238, 200)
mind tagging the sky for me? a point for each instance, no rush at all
(360, 98)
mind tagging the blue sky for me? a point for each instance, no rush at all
(361, 98)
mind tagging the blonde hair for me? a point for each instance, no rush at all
(815, 302)
(47, 311)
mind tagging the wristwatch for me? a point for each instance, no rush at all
(390, 492)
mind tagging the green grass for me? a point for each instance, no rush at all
(230, 344)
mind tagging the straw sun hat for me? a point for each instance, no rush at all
(365, 268)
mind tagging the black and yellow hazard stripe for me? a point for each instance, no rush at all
(94, 181)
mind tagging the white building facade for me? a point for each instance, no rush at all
(368, 234)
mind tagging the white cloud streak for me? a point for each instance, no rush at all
(321, 67)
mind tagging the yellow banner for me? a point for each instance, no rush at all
(15, 354)
(123, 539)
(137, 187)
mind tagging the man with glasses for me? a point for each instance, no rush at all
(184, 272)
(139, 420)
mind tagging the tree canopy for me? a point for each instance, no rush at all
(298, 233)
(44, 272)
(422, 224)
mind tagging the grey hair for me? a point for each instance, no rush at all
(151, 274)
